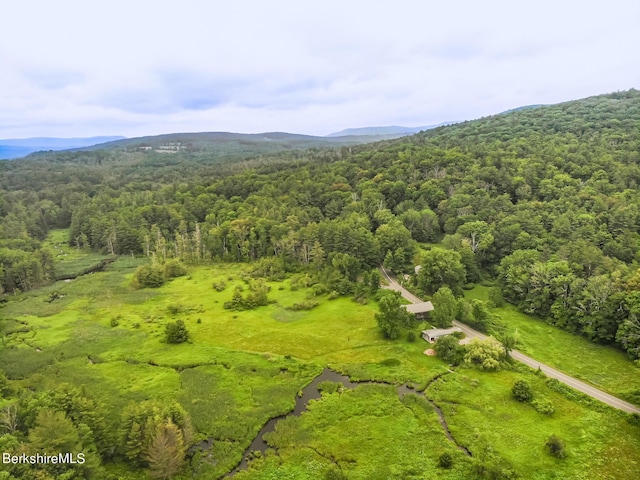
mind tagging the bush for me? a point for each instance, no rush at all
(305, 305)
(495, 298)
(174, 309)
(411, 337)
(449, 350)
(115, 321)
(176, 332)
(256, 297)
(633, 419)
(445, 460)
(544, 406)
(148, 276)
(270, 268)
(334, 473)
(555, 447)
(484, 354)
(522, 391)
(317, 290)
(219, 286)
(301, 280)
(174, 268)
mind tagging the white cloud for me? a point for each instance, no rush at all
(72, 68)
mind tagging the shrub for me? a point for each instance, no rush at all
(495, 298)
(176, 332)
(522, 391)
(300, 280)
(305, 305)
(448, 349)
(174, 309)
(148, 276)
(411, 337)
(317, 290)
(555, 447)
(445, 460)
(256, 297)
(174, 268)
(268, 267)
(334, 473)
(544, 406)
(343, 286)
(219, 286)
(115, 321)
(633, 419)
(485, 354)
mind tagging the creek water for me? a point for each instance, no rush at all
(311, 392)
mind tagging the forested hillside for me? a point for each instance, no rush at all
(544, 200)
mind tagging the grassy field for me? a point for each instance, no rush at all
(603, 366)
(481, 413)
(366, 433)
(70, 261)
(242, 368)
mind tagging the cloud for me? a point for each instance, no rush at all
(53, 79)
(87, 68)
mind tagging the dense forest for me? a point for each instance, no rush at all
(544, 200)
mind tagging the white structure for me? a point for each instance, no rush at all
(435, 333)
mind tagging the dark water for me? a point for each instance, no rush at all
(311, 392)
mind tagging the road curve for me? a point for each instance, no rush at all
(531, 362)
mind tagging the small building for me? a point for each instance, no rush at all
(420, 310)
(435, 333)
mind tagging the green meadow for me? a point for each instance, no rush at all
(242, 368)
(69, 260)
(600, 365)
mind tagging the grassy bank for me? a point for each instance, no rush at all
(603, 366)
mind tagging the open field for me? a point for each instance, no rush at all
(603, 366)
(242, 368)
(70, 261)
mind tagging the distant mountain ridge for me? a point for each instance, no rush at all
(393, 130)
(222, 143)
(20, 147)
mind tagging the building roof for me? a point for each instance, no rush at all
(419, 307)
(439, 332)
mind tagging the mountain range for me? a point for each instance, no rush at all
(20, 147)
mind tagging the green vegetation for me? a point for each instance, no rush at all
(201, 301)
(522, 391)
(392, 316)
(601, 365)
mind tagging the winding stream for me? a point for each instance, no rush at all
(311, 392)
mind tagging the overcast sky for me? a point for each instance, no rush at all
(81, 68)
